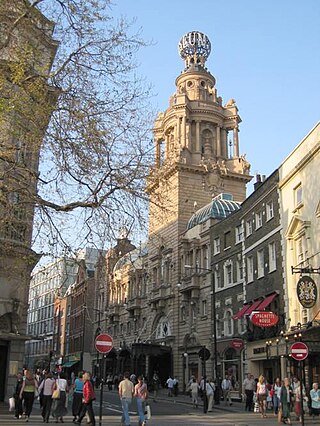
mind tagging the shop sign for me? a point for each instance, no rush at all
(264, 319)
(237, 343)
(307, 292)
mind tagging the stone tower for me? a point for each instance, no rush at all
(197, 157)
(196, 143)
(26, 55)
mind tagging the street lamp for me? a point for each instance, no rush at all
(213, 326)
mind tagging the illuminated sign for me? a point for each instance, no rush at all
(264, 319)
(307, 292)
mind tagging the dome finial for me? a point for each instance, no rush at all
(194, 48)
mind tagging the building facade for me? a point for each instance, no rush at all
(27, 49)
(300, 217)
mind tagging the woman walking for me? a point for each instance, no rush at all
(285, 399)
(276, 396)
(28, 388)
(141, 394)
(88, 397)
(46, 387)
(77, 397)
(59, 405)
(315, 400)
(194, 388)
(262, 392)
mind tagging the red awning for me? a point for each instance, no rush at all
(253, 307)
(266, 302)
(242, 311)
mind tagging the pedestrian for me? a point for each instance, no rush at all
(156, 385)
(170, 385)
(28, 389)
(141, 394)
(276, 396)
(248, 388)
(210, 388)
(262, 393)
(77, 397)
(17, 401)
(133, 379)
(109, 381)
(315, 400)
(226, 387)
(59, 405)
(298, 400)
(194, 388)
(175, 386)
(126, 390)
(88, 398)
(285, 399)
(46, 388)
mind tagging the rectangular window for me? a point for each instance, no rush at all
(216, 246)
(239, 234)
(272, 257)
(298, 195)
(258, 220)
(260, 263)
(217, 279)
(249, 269)
(239, 271)
(227, 240)
(270, 211)
(204, 307)
(248, 227)
(228, 274)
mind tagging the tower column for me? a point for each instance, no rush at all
(235, 142)
(198, 136)
(224, 143)
(188, 141)
(183, 131)
(218, 141)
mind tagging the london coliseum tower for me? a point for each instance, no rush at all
(197, 158)
(197, 163)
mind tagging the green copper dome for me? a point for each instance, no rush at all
(219, 208)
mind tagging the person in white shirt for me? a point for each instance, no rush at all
(194, 388)
(170, 384)
(248, 388)
(226, 386)
(46, 388)
(210, 388)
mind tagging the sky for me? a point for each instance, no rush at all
(264, 54)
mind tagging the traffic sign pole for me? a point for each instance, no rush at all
(104, 345)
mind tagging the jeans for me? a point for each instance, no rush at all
(125, 402)
(46, 407)
(276, 404)
(140, 407)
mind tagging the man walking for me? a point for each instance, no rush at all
(226, 386)
(248, 388)
(126, 391)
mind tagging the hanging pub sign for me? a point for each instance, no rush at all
(264, 319)
(307, 292)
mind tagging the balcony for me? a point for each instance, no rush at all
(191, 283)
(114, 312)
(160, 294)
(134, 305)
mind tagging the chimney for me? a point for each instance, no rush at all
(258, 182)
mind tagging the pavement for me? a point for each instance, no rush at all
(226, 415)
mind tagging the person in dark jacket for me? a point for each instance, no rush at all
(18, 402)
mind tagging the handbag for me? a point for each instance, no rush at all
(147, 412)
(56, 394)
(12, 404)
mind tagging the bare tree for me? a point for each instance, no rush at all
(81, 106)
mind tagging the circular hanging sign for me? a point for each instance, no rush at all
(307, 292)
(264, 319)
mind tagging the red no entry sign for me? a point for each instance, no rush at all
(104, 343)
(299, 351)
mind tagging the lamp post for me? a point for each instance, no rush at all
(213, 328)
